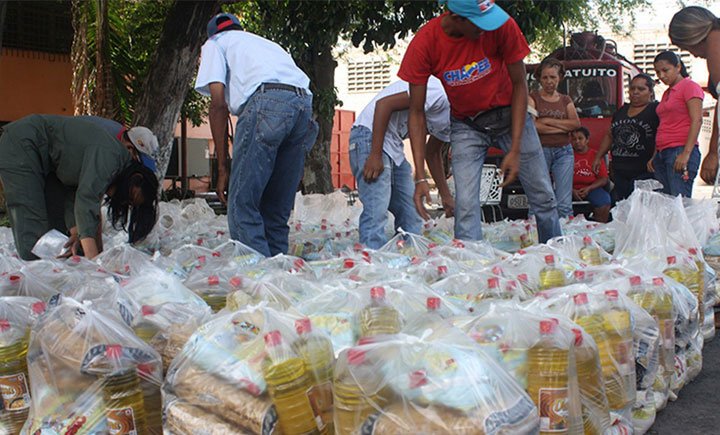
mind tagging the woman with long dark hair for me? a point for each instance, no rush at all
(631, 138)
(677, 157)
(697, 30)
(56, 171)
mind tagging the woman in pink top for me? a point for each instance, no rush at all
(677, 157)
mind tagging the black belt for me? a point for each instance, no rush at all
(282, 87)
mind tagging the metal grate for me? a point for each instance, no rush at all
(368, 76)
(644, 54)
(44, 26)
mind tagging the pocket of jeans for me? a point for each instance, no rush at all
(271, 128)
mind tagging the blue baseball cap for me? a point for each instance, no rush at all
(483, 13)
(213, 27)
(148, 162)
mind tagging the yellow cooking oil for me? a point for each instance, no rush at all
(124, 402)
(589, 253)
(355, 393)
(317, 352)
(14, 386)
(378, 317)
(551, 276)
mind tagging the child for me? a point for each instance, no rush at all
(587, 185)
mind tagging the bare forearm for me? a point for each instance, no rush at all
(518, 113)
(218, 128)
(89, 246)
(417, 132)
(599, 182)
(695, 125)
(566, 125)
(604, 145)
(435, 165)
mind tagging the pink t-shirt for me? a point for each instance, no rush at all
(673, 113)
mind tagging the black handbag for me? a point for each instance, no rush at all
(494, 122)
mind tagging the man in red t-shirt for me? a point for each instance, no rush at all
(477, 52)
(587, 185)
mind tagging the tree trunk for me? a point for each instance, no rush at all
(104, 98)
(80, 62)
(171, 71)
(317, 177)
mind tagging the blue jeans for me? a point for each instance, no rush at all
(274, 130)
(673, 183)
(469, 148)
(393, 190)
(560, 163)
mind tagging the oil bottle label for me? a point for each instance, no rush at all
(121, 421)
(553, 409)
(321, 401)
(15, 392)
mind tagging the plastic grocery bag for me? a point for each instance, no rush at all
(88, 371)
(50, 245)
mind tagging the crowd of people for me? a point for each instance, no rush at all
(463, 81)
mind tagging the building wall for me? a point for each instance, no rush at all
(34, 82)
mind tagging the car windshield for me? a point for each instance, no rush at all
(593, 89)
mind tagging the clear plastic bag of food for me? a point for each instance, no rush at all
(50, 245)
(89, 372)
(124, 260)
(583, 250)
(253, 369)
(411, 384)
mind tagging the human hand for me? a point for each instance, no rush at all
(583, 192)
(71, 247)
(576, 195)
(422, 193)
(650, 167)
(373, 168)
(681, 162)
(596, 166)
(509, 167)
(709, 168)
(448, 204)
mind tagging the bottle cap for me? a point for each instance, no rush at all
(671, 260)
(587, 240)
(497, 270)
(348, 263)
(523, 278)
(442, 269)
(377, 292)
(213, 280)
(579, 274)
(355, 356)
(113, 351)
(299, 263)
(236, 283)
(493, 282)
(549, 259)
(417, 379)
(433, 303)
(578, 336)
(692, 251)
(611, 294)
(580, 299)
(635, 280)
(4, 325)
(273, 338)
(303, 326)
(658, 281)
(38, 307)
(148, 310)
(547, 327)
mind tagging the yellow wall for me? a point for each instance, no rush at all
(34, 82)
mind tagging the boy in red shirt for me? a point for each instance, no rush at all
(587, 185)
(477, 52)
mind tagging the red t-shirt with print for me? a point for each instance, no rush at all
(473, 72)
(584, 176)
(674, 115)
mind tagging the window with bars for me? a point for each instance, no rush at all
(44, 26)
(368, 76)
(644, 54)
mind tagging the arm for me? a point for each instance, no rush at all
(218, 127)
(566, 125)
(435, 164)
(519, 102)
(89, 246)
(602, 150)
(417, 130)
(384, 109)
(598, 183)
(540, 125)
(694, 106)
(710, 162)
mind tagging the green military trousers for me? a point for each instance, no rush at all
(35, 200)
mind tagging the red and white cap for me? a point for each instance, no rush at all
(144, 140)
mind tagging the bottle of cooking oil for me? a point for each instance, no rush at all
(687, 278)
(145, 329)
(378, 318)
(551, 275)
(617, 325)
(317, 353)
(288, 381)
(592, 386)
(215, 296)
(548, 379)
(14, 385)
(356, 391)
(697, 282)
(152, 398)
(589, 253)
(124, 401)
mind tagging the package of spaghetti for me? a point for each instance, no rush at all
(88, 372)
(416, 384)
(253, 369)
(556, 362)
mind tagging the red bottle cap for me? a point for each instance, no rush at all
(417, 379)
(348, 263)
(442, 270)
(549, 259)
(377, 292)
(299, 263)
(145, 369)
(38, 307)
(611, 294)
(355, 356)
(236, 283)
(692, 251)
(658, 281)
(213, 280)
(273, 338)
(357, 247)
(202, 259)
(547, 327)
(497, 270)
(113, 351)
(580, 299)
(303, 326)
(579, 274)
(578, 336)
(4, 325)
(493, 282)
(148, 310)
(433, 303)
(671, 260)
(523, 278)
(635, 280)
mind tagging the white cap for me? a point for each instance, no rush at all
(144, 140)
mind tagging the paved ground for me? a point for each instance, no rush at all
(697, 409)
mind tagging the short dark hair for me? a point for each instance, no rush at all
(673, 59)
(583, 130)
(143, 216)
(550, 62)
(649, 82)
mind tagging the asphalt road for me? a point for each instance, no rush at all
(697, 409)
